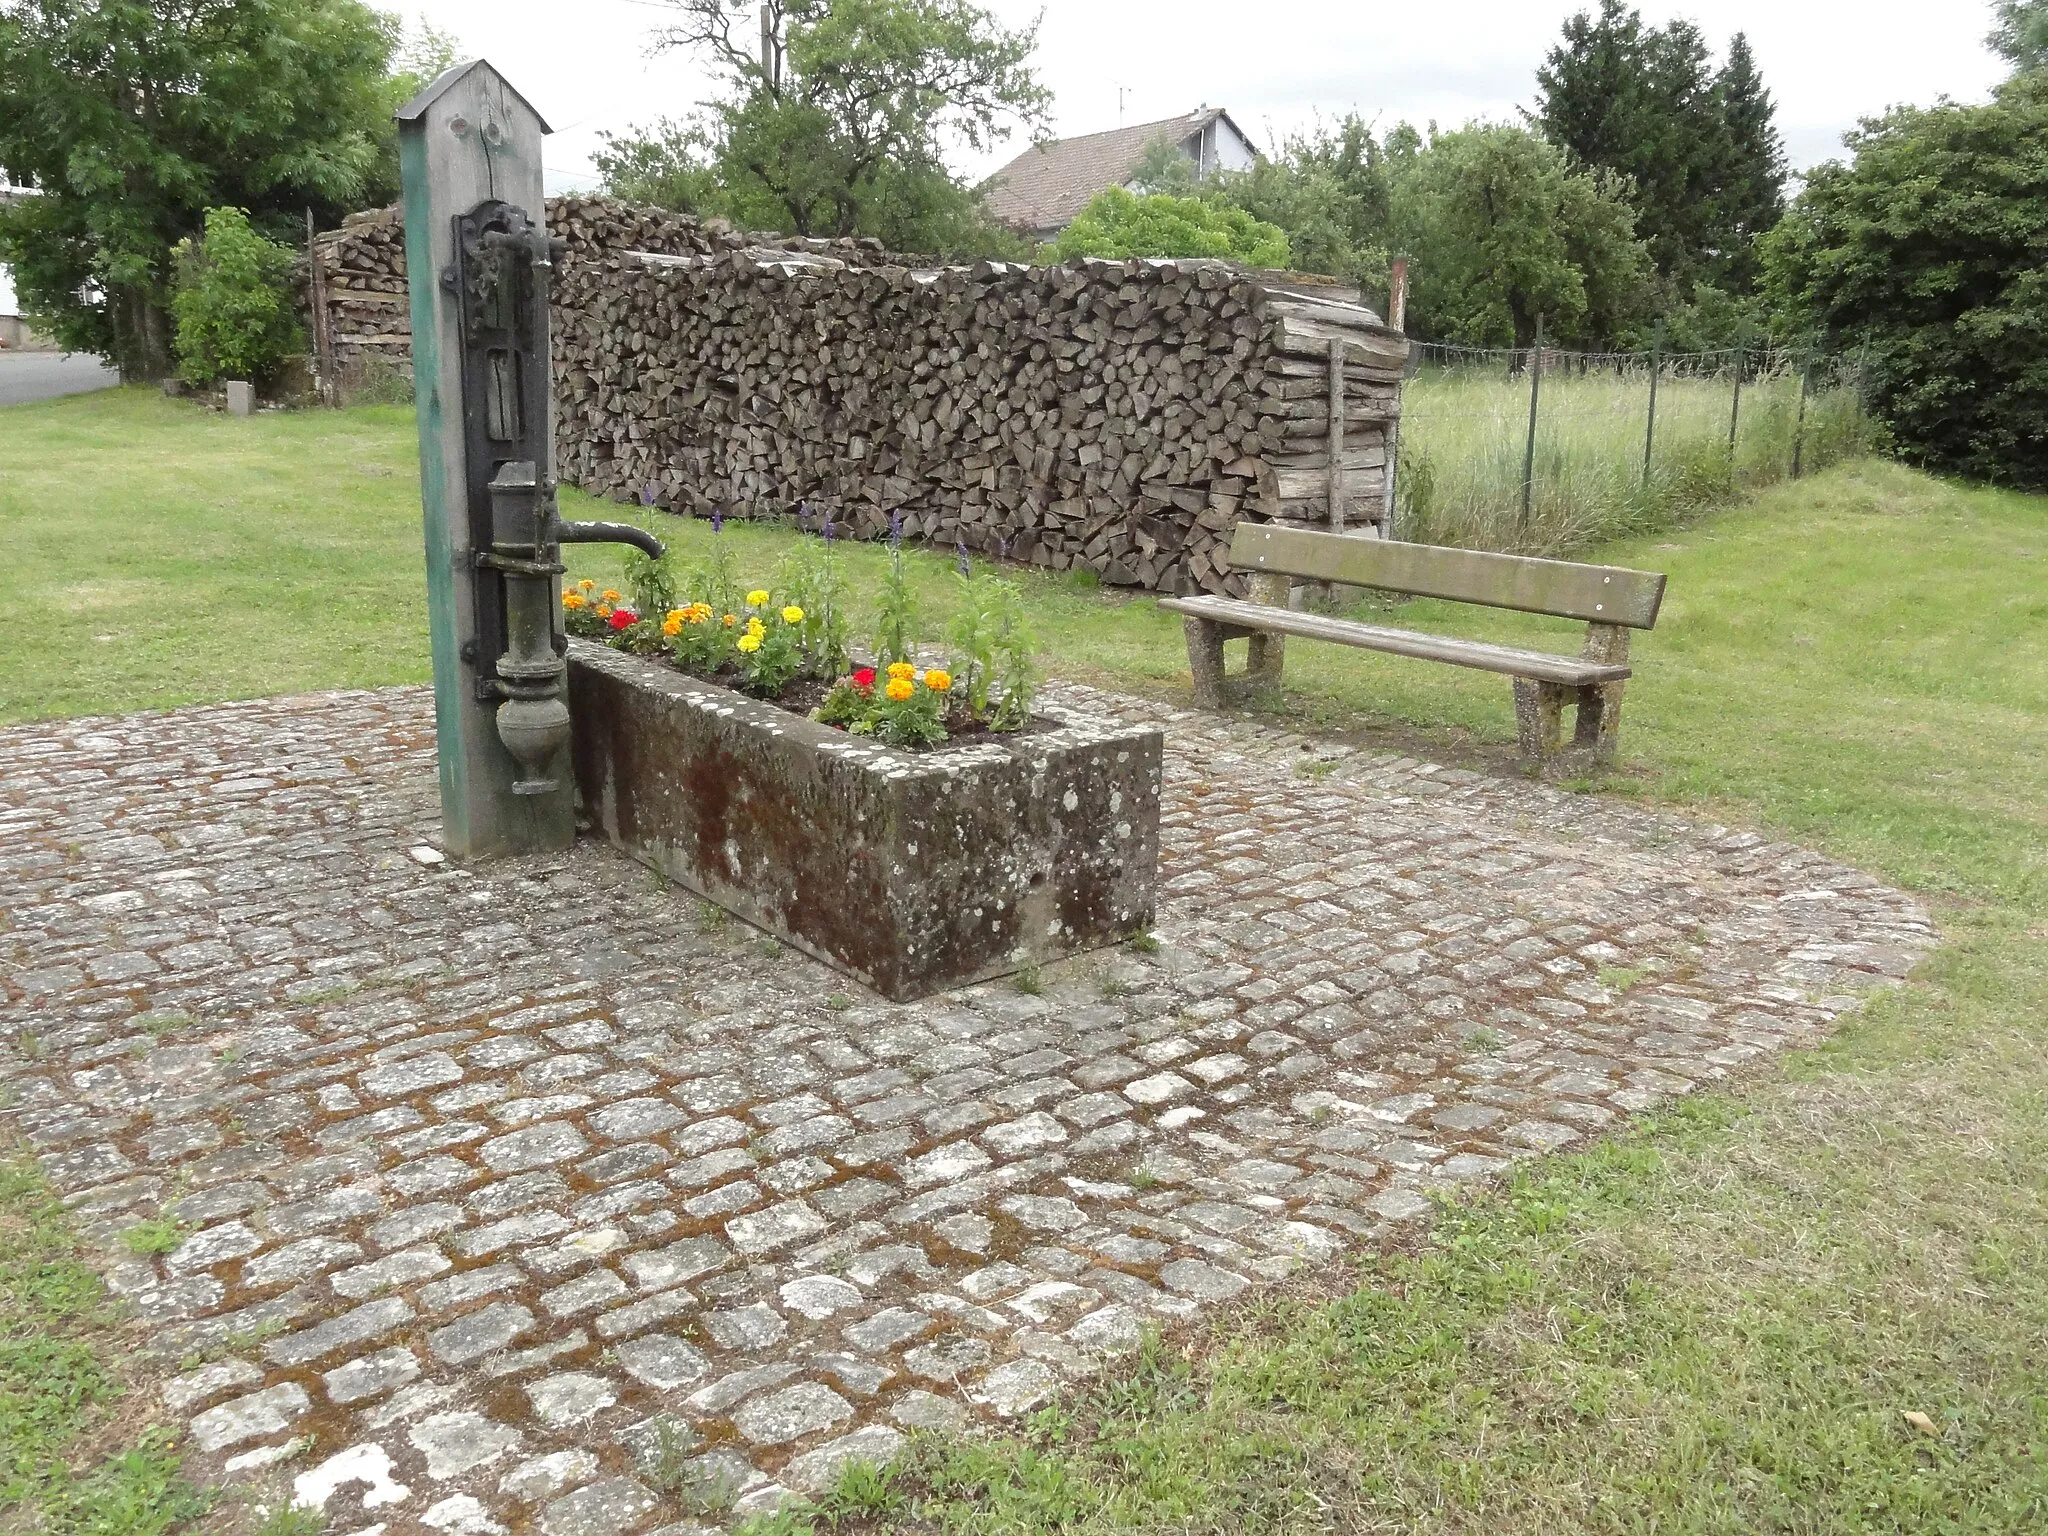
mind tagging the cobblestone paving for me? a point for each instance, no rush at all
(533, 1197)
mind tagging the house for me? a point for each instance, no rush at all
(15, 336)
(1039, 193)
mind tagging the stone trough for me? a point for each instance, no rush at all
(910, 872)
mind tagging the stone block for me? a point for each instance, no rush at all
(911, 872)
(241, 397)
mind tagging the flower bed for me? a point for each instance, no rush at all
(789, 645)
(917, 827)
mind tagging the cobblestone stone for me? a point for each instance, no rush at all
(494, 1161)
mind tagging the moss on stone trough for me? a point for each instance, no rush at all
(911, 872)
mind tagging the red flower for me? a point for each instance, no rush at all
(864, 679)
(624, 618)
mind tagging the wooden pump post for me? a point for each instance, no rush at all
(467, 140)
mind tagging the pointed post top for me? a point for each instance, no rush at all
(416, 109)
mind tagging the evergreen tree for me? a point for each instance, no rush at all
(1699, 148)
(1752, 189)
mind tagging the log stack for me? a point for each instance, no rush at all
(1117, 417)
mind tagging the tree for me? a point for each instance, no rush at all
(2021, 35)
(1118, 222)
(1504, 229)
(835, 121)
(233, 302)
(1328, 189)
(132, 117)
(1700, 149)
(1926, 250)
(1750, 190)
(666, 165)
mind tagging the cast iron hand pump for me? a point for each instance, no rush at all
(504, 264)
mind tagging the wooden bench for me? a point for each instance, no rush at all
(1610, 599)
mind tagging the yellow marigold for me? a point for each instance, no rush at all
(609, 595)
(749, 642)
(585, 584)
(901, 671)
(900, 688)
(757, 598)
(938, 680)
(701, 610)
(792, 614)
(755, 626)
(573, 600)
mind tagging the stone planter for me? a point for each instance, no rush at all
(911, 872)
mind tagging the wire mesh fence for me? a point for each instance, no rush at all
(1542, 451)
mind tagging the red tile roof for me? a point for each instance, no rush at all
(1043, 188)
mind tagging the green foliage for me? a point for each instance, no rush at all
(1503, 229)
(134, 118)
(1926, 250)
(812, 578)
(1119, 223)
(1330, 191)
(1699, 149)
(653, 583)
(842, 132)
(232, 305)
(666, 165)
(896, 609)
(152, 1237)
(58, 1389)
(2021, 34)
(1016, 673)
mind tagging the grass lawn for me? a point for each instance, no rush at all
(1719, 1323)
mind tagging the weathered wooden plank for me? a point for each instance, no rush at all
(1602, 594)
(1506, 660)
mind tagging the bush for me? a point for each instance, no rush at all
(1120, 223)
(1926, 251)
(233, 305)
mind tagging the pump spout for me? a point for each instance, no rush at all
(610, 533)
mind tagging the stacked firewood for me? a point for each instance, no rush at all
(362, 273)
(1112, 416)
(1117, 417)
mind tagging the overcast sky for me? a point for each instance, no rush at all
(585, 64)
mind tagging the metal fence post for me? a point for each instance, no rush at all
(1535, 396)
(1650, 428)
(1735, 410)
(1799, 425)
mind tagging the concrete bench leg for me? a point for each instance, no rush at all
(1599, 724)
(1267, 653)
(1205, 660)
(1539, 719)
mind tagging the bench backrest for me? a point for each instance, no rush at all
(1599, 594)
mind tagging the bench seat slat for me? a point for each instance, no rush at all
(1507, 660)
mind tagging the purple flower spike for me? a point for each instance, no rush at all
(960, 549)
(718, 519)
(895, 530)
(647, 494)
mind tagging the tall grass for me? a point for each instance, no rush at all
(1464, 436)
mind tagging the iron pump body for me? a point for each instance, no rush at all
(503, 267)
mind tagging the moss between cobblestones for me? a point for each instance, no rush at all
(77, 1454)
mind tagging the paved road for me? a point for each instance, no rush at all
(45, 375)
